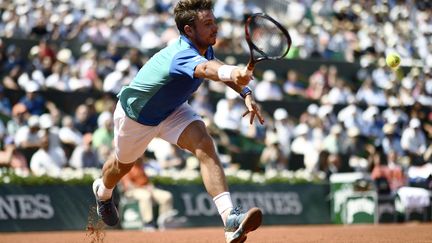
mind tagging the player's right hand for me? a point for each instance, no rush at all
(242, 76)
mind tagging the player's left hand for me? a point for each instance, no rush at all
(253, 109)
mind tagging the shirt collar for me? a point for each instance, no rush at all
(184, 38)
(208, 52)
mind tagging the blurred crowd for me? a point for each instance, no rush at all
(382, 118)
(335, 29)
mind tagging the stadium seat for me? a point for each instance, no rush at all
(412, 200)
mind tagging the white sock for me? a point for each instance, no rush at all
(223, 204)
(104, 193)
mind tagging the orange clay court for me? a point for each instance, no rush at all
(389, 233)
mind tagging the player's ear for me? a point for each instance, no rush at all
(188, 30)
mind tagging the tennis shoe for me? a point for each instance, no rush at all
(106, 210)
(239, 224)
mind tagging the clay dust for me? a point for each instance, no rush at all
(95, 227)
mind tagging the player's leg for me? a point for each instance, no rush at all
(187, 130)
(130, 141)
(196, 139)
(112, 172)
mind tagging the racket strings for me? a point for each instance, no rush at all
(268, 39)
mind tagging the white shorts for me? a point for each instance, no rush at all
(132, 138)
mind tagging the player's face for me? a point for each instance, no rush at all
(205, 30)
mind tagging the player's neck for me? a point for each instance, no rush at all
(201, 49)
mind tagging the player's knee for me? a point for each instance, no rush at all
(204, 144)
(118, 167)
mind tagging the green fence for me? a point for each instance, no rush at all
(36, 208)
(59, 207)
(281, 203)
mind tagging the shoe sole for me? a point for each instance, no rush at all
(95, 189)
(250, 223)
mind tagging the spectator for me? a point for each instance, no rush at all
(423, 97)
(302, 145)
(10, 80)
(292, 85)
(369, 94)
(34, 75)
(413, 141)
(121, 76)
(284, 130)
(95, 23)
(40, 29)
(228, 112)
(13, 158)
(388, 170)
(34, 102)
(14, 59)
(69, 136)
(104, 134)
(358, 149)
(46, 123)
(18, 119)
(27, 139)
(268, 88)
(173, 159)
(47, 160)
(391, 141)
(394, 113)
(5, 105)
(83, 121)
(112, 53)
(351, 116)
(229, 9)
(329, 164)
(126, 34)
(84, 155)
(272, 157)
(88, 66)
(201, 102)
(137, 185)
(59, 78)
(327, 117)
(340, 93)
(105, 103)
(167, 155)
(77, 82)
(372, 124)
(333, 142)
(317, 83)
(383, 76)
(46, 50)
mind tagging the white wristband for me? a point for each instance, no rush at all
(224, 72)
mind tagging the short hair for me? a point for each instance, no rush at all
(186, 12)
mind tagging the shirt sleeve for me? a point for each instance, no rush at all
(185, 62)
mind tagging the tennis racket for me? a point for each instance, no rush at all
(267, 39)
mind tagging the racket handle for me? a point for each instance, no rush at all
(250, 66)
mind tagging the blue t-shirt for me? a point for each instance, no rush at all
(164, 83)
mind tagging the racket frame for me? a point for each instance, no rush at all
(252, 46)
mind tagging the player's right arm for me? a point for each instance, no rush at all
(218, 71)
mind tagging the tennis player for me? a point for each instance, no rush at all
(155, 104)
